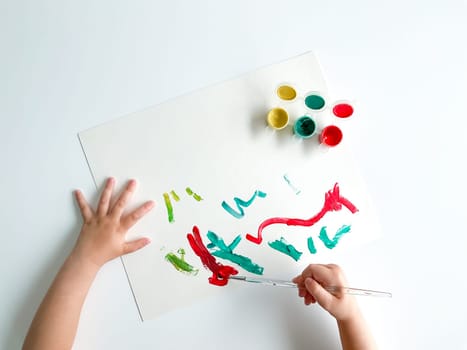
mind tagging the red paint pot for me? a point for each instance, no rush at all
(331, 136)
(342, 109)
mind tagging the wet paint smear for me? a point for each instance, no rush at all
(333, 201)
(226, 252)
(284, 247)
(168, 205)
(180, 264)
(196, 196)
(220, 273)
(175, 196)
(295, 189)
(216, 241)
(241, 204)
(311, 245)
(331, 243)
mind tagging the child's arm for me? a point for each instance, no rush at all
(353, 330)
(102, 238)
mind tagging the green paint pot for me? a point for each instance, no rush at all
(305, 127)
(315, 101)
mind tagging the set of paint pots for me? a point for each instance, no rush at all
(306, 126)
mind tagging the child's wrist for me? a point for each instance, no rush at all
(353, 316)
(84, 261)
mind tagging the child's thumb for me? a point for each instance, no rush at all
(322, 296)
(135, 245)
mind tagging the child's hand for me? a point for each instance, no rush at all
(310, 287)
(102, 236)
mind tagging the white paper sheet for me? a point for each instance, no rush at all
(216, 141)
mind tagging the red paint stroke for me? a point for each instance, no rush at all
(333, 201)
(220, 273)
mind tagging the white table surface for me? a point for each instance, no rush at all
(67, 66)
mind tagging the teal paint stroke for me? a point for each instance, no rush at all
(218, 242)
(331, 243)
(311, 245)
(284, 247)
(295, 189)
(240, 203)
(225, 251)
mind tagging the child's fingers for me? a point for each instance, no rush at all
(104, 201)
(84, 208)
(302, 292)
(122, 201)
(321, 273)
(309, 299)
(321, 295)
(133, 217)
(298, 279)
(133, 246)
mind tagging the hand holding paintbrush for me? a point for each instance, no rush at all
(353, 330)
(325, 285)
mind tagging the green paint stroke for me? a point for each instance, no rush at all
(311, 245)
(225, 251)
(196, 196)
(331, 243)
(284, 247)
(180, 264)
(175, 196)
(168, 205)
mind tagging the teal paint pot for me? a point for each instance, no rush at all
(304, 127)
(315, 101)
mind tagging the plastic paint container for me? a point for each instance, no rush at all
(286, 92)
(305, 127)
(315, 101)
(330, 136)
(342, 109)
(278, 118)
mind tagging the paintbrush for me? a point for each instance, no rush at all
(335, 290)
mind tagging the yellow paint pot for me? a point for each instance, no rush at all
(286, 92)
(278, 118)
